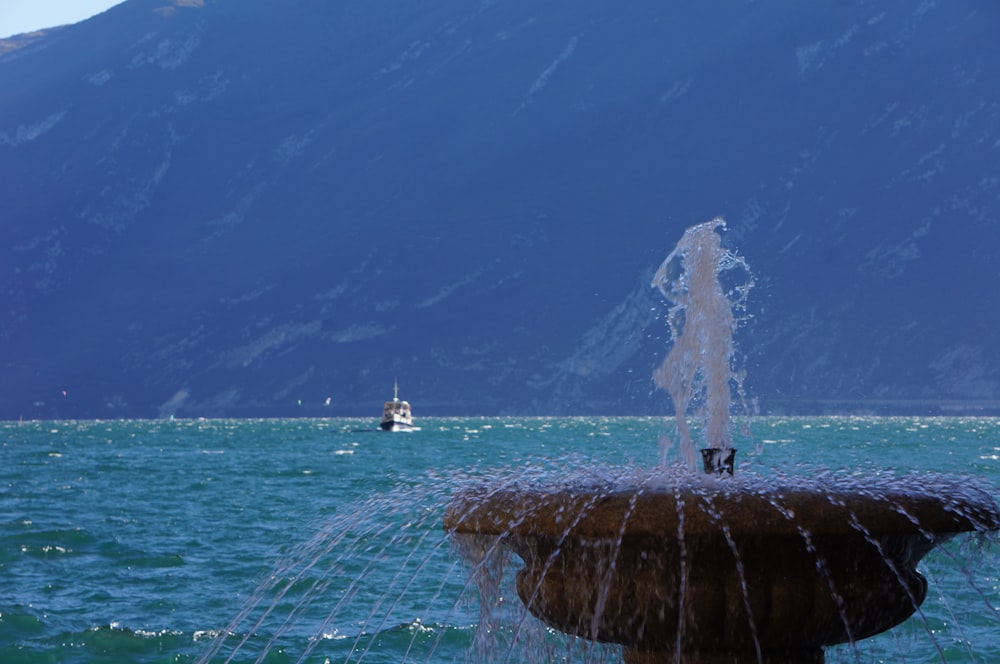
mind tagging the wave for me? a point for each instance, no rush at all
(112, 643)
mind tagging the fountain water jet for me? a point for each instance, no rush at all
(693, 568)
(702, 322)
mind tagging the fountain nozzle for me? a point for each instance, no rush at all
(718, 461)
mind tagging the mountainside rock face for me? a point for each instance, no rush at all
(248, 207)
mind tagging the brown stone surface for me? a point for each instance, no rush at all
(713, 570)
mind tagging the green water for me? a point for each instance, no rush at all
(139, 541)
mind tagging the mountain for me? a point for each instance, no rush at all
(246, 207)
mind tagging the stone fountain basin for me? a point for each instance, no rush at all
(716, 566)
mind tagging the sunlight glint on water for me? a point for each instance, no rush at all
(137, 541)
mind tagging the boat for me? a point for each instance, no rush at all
(396, 414)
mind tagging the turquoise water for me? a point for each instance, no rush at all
(320, 540)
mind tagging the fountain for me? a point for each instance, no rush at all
(702, 568)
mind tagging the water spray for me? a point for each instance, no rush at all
(702, 318)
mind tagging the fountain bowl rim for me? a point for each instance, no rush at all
(706, 508)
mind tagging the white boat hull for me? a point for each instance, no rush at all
(398, 426)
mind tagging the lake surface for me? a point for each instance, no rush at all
(320, 540)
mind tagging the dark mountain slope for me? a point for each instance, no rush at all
(224, 208)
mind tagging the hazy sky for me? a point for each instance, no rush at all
(18, 16)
